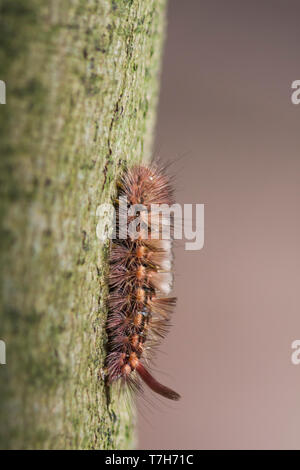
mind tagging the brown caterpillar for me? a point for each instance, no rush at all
(140, 279)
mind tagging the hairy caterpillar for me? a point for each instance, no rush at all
(140, 280)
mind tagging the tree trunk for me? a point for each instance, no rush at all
(81, 90)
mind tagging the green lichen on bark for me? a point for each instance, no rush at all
(82, 86)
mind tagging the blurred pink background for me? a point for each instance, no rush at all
(226, 119)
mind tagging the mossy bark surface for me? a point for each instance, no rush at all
(82, 84)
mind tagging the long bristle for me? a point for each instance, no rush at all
(155, 385)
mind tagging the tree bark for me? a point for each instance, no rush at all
(81, 91)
